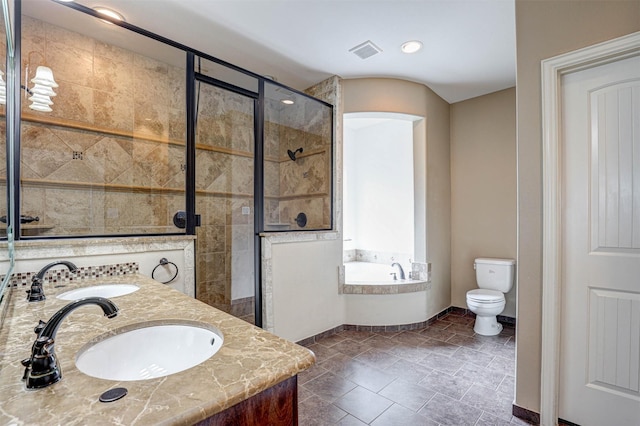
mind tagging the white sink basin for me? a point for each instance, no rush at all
(149, 350)
(107, 290)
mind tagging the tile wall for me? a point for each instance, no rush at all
(109, 158)
(292, 187)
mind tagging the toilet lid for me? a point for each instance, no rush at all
(485, 296)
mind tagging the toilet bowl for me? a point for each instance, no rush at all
(494, 278)
(487, 305)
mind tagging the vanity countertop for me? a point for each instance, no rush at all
(251, 360)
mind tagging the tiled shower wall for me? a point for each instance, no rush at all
(108, 159)
(292, 187)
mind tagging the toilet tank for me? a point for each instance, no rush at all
(495, 274)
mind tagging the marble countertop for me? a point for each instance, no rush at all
(250, 361)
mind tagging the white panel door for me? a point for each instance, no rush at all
(600, 337)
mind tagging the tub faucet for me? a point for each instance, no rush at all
(42, 368)
(36, 293)
(394, 264)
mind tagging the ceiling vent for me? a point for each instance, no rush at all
(366, 50)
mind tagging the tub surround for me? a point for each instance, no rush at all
(382, 284)
(362, 255)
(378, 283)
(251, 365)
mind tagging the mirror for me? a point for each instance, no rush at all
(6, 151)
(102, 149)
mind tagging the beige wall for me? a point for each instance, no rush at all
(305, 288)
(399, 96)
(305, 273)
(545, 29)
(483, 188)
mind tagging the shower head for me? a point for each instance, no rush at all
(292, 154)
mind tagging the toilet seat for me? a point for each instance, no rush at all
(483, 296)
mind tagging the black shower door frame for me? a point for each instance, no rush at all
(258, 179)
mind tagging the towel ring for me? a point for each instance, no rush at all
(164, 262)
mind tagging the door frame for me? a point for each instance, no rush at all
(552, 71)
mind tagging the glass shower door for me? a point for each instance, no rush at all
(225, 138)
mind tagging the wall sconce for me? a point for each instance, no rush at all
(42, 90)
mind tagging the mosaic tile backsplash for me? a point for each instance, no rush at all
(61, 275)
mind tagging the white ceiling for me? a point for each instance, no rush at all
(469, 45)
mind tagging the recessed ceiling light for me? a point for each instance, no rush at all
(110, 13)
(411, 46)
(288, 101)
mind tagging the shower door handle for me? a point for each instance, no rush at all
(180, 219)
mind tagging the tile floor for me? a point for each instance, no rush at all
(443, 374)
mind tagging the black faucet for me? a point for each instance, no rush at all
(42, 368)
(36, 293)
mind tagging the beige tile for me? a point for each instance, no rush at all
(98, 210)
(221, 175)
(70, 65)
(59, 202)
(109, 157)
(241, 175)
(177, 124)
(73, 102)
(77, 140)
(113, 53)
(77, 171)
(33, 202)
(234, 211)
(211, 166)
(216, 238)
(211, 209)
(119, 209)
(151, 81)
(177, 89)
(43, 152)
(33, 40)
(313, 208)
(113, 76)
(239, 238)
(151, 118)
(69, 38)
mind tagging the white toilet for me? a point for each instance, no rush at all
(494, 278)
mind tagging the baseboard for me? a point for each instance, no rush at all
(399, 327)
(534, 418)
(526, 415)
(566, 423)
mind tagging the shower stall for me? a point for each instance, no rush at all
(246, 131)
(146, 136)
